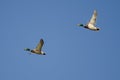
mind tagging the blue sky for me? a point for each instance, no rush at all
(72, 53)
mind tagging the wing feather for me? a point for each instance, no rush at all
(40, 44)
(93, 18)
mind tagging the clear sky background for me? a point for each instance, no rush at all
(72, 52)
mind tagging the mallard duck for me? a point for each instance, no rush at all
(38, 49)
(91, 24)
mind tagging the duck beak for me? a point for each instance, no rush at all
(78, 24)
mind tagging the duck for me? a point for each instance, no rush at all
(91, 25)
(38, 49)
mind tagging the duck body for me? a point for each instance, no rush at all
(37, 52)
(91, 27)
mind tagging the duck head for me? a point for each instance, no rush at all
(80, 25)
(27, 49)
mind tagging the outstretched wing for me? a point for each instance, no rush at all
(39, 46)
(93, 18)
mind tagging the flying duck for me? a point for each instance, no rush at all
(38, 49)
(91, 24)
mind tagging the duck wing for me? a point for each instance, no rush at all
(40, 44)
(93, 18)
